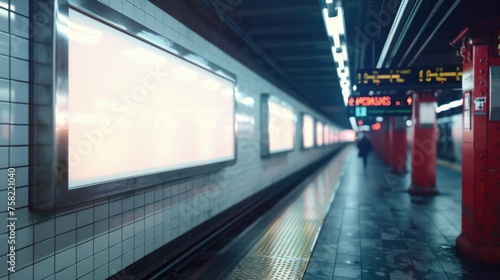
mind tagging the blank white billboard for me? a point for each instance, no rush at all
(281, 126)
(307, 131)
(326, 134)
(319, 134)
(135, 109)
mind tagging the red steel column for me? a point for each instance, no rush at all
(480, 236)
(379, 143)
(387, 145)
(423, 148)
(397, 139)
(374, 138)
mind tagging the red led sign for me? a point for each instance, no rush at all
(382, 105)
(370, 101)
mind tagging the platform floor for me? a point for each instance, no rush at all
(376, 230)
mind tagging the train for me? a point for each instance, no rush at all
(449, 140)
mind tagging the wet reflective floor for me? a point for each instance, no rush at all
(280, 243)
(376, 230)
(285, 247)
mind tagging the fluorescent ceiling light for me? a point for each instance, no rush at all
(340, 21)
(337, 55)
(448, 106)
(344, 52)
(331, 27)
(341, 64)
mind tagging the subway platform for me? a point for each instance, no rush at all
(376, 230)
(347, 222)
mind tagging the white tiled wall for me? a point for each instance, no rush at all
(14, 115)
(98, 239)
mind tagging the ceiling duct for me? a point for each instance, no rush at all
(407, 11)
(445, 17)
(251, 44)
(421, 31)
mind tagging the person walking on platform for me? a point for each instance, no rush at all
(365, 146)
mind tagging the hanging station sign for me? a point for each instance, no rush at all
(412, 78)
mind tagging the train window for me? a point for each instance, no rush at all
(494, 93)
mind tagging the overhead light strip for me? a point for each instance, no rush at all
(451, 105)
(335, 28)
(333, 17)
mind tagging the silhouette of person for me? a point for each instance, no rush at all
(365, 146)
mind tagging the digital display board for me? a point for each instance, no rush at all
(307, 131)
(411, 78)
(278, 126)
(382, 105)
(134, 109)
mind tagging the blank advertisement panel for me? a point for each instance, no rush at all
(319, 134)
(135, 109)
(277, 127)
(131, 109)
(307, 131)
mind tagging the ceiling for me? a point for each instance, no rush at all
(288, 39)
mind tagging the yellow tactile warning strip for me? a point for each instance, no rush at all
(285, 248)
(450, 165)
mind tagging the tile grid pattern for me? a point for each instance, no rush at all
(14, 114)
(376, 230)
(97, 239)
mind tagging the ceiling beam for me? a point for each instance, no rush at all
(293, 57)
(305, 78)
(323, 83)
(315, 69)
(295, 29)
(301, 10)
(294, 43)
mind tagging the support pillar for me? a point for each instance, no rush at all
(387, 145)
(379, 143)
(423, 149)
(480, 236)
(397, 140)
(375, 139)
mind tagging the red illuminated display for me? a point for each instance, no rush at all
(367, 101)
(380, 105)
